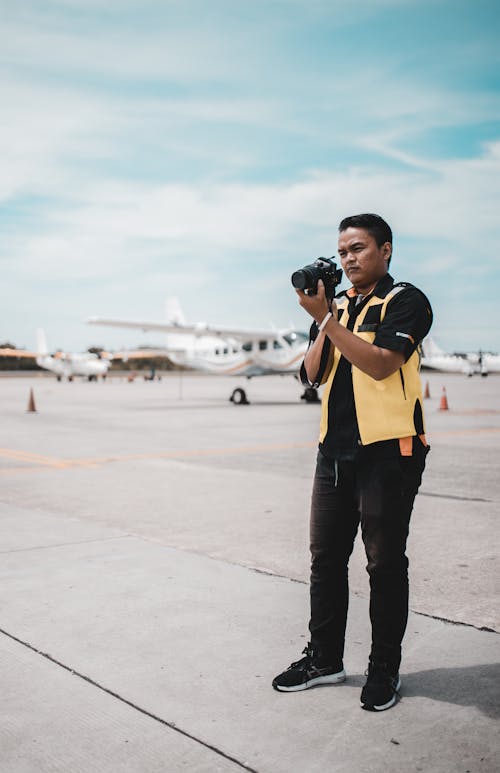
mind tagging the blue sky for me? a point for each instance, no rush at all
(208, 149)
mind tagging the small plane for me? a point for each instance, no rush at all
(70, 364)
(469, 363)
(225, 350)
(488, 362)
(64, 364)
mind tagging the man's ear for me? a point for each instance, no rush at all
(387, 250)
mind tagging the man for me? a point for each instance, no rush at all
(365, 349)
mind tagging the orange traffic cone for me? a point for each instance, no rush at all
(427, 393)
(31, 403)
(443, 404)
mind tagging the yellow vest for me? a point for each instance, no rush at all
(385, 408)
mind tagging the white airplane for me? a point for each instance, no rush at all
(469, 363)
(486, 361)
(70, 364)
(225, 350)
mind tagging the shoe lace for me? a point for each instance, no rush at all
(381, 672)
(307, 660)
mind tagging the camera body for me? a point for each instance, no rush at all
(323, 268)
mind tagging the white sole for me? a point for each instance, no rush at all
(340, 676)
(387, 705)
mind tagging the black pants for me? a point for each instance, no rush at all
(379, 494)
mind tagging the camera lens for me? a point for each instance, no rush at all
(300, 279)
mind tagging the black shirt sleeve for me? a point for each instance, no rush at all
(407, 321)
(313, 334)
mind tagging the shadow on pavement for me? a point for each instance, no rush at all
(477, 686)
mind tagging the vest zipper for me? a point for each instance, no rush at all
(402, 382)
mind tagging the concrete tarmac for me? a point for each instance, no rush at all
(154, 566)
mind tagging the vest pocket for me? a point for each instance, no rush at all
(368, 327)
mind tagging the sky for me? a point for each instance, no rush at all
(207, 149)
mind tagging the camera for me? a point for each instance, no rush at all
(323, 268)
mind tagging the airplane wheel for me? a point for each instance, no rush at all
(239, 397)
(310, 395)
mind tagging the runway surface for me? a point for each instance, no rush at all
(154, 567)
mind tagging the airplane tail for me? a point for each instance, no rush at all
(173, 311)
(430, 348)
(41, 343)
(177, 345)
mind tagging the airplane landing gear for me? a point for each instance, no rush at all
(310, 395)
(239, 397)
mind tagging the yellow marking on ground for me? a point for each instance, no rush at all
(454, 432)
(477, 412)
(190, 452)
(35, 461)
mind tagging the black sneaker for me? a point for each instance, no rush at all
(381, 689)
(307, 672)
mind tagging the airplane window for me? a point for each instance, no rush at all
(226, 350)
(247, 347)
(217, 351)
(277, 345)
(262, 346)
(296, 337)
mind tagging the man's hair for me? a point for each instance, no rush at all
(374, 224)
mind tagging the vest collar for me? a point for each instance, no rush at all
(381, 289)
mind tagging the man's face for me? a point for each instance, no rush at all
(363, 261)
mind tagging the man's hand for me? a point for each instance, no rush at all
(373, 360)
(317, 305)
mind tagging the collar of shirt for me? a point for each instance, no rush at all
(382, 287)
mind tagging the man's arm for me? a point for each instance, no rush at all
(371, 359)
(313, 359)
(375, 361)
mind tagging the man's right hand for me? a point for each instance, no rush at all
(315, 305)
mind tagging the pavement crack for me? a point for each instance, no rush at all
(453, 496)
(455, 622)
(298, 580)
(220, 559)
(129, 703)
(66, 544)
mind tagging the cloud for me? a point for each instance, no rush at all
(154, 146)
(89, 236)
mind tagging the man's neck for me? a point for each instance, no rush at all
(368, 289)
(365, 290)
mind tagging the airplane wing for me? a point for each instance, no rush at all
(136, 354)
(200, 329)
(6, 352)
